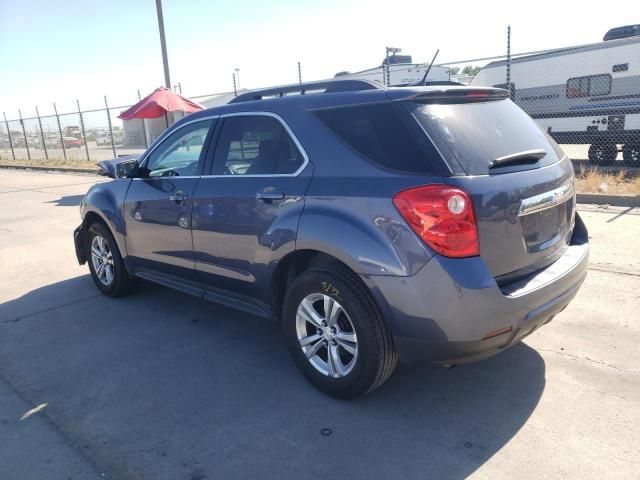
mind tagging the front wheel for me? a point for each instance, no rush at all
(335, 333)
(105, 263)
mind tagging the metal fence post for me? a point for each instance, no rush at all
(113, 140)
(299, 74)
(24, 134)
(13, 154)
(64, 150)
(44, 145)
(509, 61)
(84, 136)
(144, 127)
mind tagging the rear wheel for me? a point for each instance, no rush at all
(631, 154)
(335, 334)
(105, 263)
(603, 153)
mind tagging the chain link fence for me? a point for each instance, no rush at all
(586, 97)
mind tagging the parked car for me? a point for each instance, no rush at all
(414, 224)
(105, 140)
(69, 142)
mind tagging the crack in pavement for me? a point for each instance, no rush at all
(607, 270)
(577, 357)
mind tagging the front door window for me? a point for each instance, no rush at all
(181, 153)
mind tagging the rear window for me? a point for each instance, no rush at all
(377, 132)
(474, 134)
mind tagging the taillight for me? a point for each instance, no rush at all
(443, 217)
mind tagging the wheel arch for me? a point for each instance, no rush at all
(103, 203)
(93, 215)
(298, 261)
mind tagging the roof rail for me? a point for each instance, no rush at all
(329, 86)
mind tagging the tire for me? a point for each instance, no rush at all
(364, 360)
(119, 282)
(603, 153)
(631, 154)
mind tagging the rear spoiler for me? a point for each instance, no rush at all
(459, 95)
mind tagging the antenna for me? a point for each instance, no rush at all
(424, 79)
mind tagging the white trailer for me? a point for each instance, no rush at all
(399, 70)
(588, 94)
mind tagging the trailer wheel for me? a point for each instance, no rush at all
(631, 154)
(603, 153)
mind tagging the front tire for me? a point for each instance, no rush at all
(105, 262)
(335, 333)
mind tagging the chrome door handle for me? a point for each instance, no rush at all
(269, 194)
(178, 197)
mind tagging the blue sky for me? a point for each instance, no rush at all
(60, 51)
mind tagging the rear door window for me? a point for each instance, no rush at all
(474, 134)
(377, 132)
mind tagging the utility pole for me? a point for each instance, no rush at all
(163, 45)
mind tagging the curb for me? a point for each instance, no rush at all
(51, 169)
(614, 200)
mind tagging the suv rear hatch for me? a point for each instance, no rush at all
(520, 181)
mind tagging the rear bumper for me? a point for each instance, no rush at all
(452, 310)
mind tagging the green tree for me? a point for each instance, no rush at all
(470, 70)
(454, 70)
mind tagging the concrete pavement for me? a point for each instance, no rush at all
(161, 385)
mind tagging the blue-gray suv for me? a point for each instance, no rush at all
(378, 225)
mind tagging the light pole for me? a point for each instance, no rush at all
(237, 70)
(163, 45)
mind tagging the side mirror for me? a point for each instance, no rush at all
(127, 169)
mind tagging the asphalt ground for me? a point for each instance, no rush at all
(161, 385)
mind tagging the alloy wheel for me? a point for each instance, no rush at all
(102, 260)
(326, 335)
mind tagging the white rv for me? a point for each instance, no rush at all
(399, 70)
(588, 94)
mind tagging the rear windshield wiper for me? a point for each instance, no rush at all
(528, 156)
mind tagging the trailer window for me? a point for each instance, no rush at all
(592, 85)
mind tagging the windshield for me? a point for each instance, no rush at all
(474, 134)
